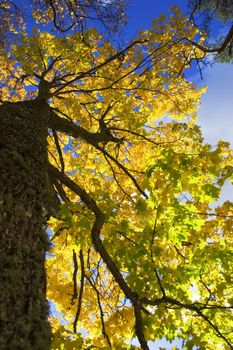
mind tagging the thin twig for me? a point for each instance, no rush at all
(160, 283)
(117, 182)
(101, 311)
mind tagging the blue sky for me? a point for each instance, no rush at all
(142, 12)
(216, 112)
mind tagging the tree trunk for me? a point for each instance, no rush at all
(23, 215)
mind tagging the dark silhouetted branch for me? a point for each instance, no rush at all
(80, 290)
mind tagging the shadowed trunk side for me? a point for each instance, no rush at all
(23, 216)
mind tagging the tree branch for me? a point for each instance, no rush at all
(95, 232)
(80, 290)
(75, 293)
(122, 167)
(139, 327)
(160, 283)
(56, 140)
(101, 311)
(191, 307)
(63, 125)
(218, 50)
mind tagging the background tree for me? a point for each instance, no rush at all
(204, 13)
(222, 9)
(137, 249)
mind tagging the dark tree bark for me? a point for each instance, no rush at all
(24, 192)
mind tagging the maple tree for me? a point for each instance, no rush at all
(137, 246)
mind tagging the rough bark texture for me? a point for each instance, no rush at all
(23, 214)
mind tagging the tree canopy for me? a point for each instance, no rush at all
(139, 245)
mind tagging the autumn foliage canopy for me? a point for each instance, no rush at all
(139, 246)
